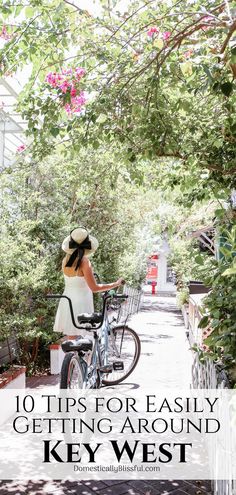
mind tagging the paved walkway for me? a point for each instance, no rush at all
(165, 362)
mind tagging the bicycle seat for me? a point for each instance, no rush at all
(90, 318)
(82, 344)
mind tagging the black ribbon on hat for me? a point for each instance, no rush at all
(78, 252)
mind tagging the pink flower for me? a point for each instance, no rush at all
(188, 53)
(64, 86)
(59, 79)
(54, 79)
(67, 72)
(166, 35)
(4, 34)
(51, 78)
(21, 148)
(82, 98)
(68, 80)
(73, 91)
(207, 19)
(153, 30)
(78, 101)
(79, 73)
(205, 28)
(68, 108)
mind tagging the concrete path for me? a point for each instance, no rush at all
(166, 359)
(165, 362)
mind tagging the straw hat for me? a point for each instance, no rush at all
(80, 238)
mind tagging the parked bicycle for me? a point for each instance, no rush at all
(113, 352)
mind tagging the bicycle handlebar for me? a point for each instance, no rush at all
(121, 296)
(107, 296)
(60, 296)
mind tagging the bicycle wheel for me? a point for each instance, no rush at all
(72, 375)
(123, 346)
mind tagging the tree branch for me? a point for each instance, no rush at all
(129, 17)
(178, 38)
(22, 33)
(216, 168)
(82, 11)
(229, 35)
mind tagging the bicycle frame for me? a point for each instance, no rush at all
(90, 371)
(91, 374)
(100, 344)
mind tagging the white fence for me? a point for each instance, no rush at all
(205, 375)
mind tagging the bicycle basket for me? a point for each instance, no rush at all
(131, 305)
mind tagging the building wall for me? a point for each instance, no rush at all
(162, 284)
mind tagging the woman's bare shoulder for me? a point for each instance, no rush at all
(85, 262)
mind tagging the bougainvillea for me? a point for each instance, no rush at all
(4, 34)
(21, 148)
(161, 81)
(67, 86)
(154, 30)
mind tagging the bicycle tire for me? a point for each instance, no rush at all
(126, 330)
(70, 362)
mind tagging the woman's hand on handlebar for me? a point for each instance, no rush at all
(91, 281)
(120, 281)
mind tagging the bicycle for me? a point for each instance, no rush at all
(115, 349)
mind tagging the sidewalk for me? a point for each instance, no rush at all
(165, 362)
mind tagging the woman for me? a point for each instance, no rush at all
(79, 280)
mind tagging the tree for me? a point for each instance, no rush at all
(41, 203)
(156, 82)
(161, 76)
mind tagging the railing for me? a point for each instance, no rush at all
(9, 349)
(205, 375)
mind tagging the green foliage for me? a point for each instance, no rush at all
(181, 221)
(160, 111)
(166, 99)
(188, 262)
(220, 303)
(182, 297)
(40, 204)
(182, 260)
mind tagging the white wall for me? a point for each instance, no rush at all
(162, 284)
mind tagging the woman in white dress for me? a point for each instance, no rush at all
(80, 282)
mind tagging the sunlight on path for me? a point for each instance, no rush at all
(166, 358)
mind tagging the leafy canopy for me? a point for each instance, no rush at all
(160, 78)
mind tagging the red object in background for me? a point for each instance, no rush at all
(154, 284)
(152, 272)
(153, 257)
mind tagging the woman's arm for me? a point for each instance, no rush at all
(91, 281)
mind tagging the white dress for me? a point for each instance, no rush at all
(77, 289)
